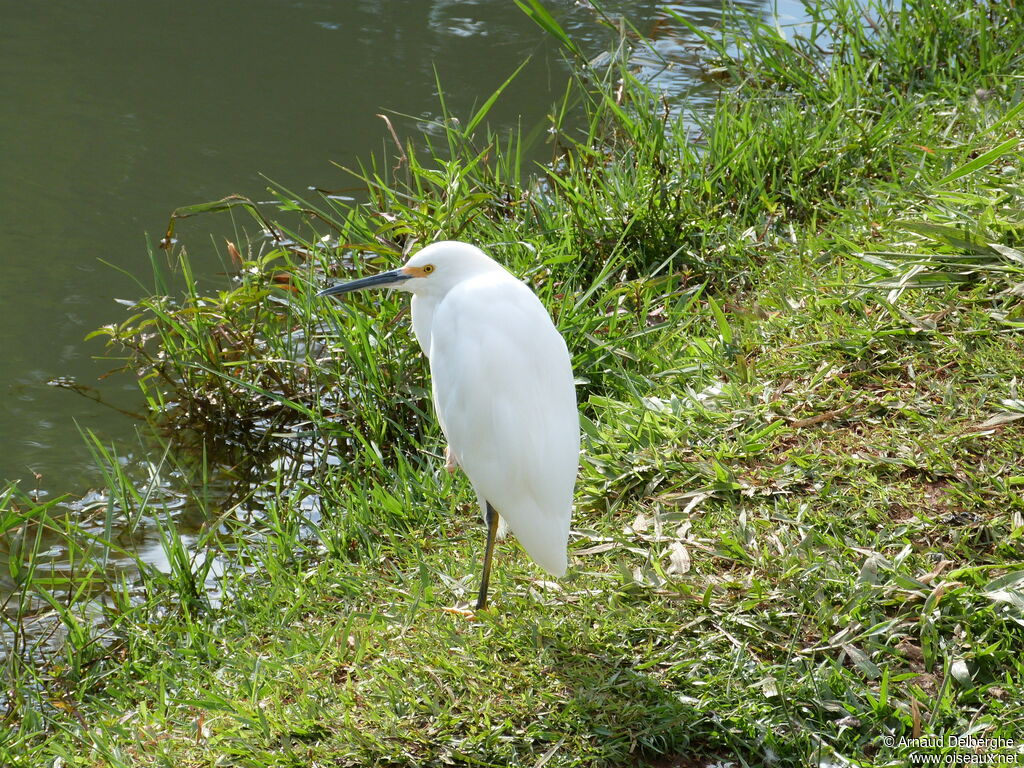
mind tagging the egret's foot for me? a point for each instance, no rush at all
(461, 608)
(449, 460)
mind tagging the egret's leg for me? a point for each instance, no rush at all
(449, 460)
(485, 579)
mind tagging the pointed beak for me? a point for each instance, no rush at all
(384, 279)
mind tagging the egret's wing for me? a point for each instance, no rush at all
(503, 389)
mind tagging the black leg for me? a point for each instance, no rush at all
(485, 579)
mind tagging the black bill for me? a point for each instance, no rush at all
(384, 279)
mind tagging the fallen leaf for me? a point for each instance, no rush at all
(595, 550)
(640, 524)
(820, 418)
(995, 421)
(679, 558)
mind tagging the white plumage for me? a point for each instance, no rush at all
(502, 386)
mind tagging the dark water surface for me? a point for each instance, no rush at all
(115, 112)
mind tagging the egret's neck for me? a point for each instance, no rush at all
(423, 319)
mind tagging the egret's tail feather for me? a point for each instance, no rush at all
(544, 536)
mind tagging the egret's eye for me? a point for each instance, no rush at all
(428, 269)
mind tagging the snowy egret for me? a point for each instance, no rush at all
(503, 392)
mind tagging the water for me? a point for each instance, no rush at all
(115, 112)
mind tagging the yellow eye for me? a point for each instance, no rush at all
(427, 269)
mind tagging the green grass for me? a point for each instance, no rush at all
(800, 511)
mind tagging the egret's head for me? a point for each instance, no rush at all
(432, 271)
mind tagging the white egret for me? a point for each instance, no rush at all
(503, 392)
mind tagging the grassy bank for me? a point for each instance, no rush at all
(797, 332)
